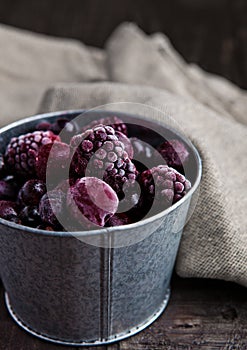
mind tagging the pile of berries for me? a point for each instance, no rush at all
(91, 178)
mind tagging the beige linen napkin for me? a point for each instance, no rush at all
(147, 70)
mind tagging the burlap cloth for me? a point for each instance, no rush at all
(40, 74)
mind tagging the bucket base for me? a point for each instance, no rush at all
(109, 340)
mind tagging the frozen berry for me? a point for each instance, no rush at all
(99, 153)
(31, 192)
(91, 200)
(65, 128)
(21, 152)
(126, 142)
(174, 153)
(30, 216)
(116, 123)
(2, 165)
(8, 211)
(52, 206)
(164, 185)
(119, 219)
(43, 126)
(58, 158)
(58, 125)
(7, 191)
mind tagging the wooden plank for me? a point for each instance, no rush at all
(202, 314)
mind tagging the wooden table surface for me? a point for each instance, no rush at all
(201, 314)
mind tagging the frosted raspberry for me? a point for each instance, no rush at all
(22, 151)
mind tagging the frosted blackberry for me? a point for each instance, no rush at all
(126, 142)
(116, 123)
(21, 152)
(174, 153)
(99, 153)
(31, 192)
(164, 185)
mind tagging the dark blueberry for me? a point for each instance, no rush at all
(31, 192)
(30, 216)
(59, 125)
(7, 191)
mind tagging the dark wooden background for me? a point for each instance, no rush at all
(202, 314)
(212, 33)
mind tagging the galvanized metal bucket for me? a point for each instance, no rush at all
(62, 289)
